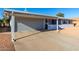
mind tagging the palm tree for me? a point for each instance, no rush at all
(5, 20)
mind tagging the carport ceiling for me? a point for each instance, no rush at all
(35, 16)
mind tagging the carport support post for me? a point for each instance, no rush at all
(57, 24)
(61, 22)
(12, 24)
(43, 24)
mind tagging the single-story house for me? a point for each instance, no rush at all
(28, 21)
(76, 21)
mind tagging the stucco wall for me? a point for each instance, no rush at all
(76, 22)
(28, 24)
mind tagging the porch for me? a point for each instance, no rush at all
(57, 24)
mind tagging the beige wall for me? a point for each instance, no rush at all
(76, 21)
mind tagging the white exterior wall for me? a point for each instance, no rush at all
(54, 27)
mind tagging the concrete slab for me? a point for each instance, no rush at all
(64, 40)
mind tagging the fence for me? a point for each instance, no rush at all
(5, 29)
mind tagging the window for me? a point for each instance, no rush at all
(59, 22)
(70, 21)
(64, 21)
(53, 21)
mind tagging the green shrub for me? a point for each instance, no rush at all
(0, 30)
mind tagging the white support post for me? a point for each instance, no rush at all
(67, 21)
(57, 24)
(12, 24)
(44, 24)
(61, 22)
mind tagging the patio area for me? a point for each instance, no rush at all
(64, 40)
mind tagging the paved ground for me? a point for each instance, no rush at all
(5, 42)
(65, 40)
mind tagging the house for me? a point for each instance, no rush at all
(27, 21)
(76, 22)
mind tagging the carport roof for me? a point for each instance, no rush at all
(30, 14)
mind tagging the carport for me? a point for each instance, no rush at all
(26, 21)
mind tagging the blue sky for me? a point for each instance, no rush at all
(68, 12)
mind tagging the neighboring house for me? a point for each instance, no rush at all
(76, 22)
(27, 21)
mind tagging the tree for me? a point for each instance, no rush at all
(5, 20)
(1, 21)
(4, 23)
(60, 14)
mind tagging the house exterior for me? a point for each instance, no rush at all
(26, 21)
(76, 21)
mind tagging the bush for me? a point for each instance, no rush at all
(0, 30)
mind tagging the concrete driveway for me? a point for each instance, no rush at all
(64, 40)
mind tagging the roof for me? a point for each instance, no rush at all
(30, 14)
(77, 18)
